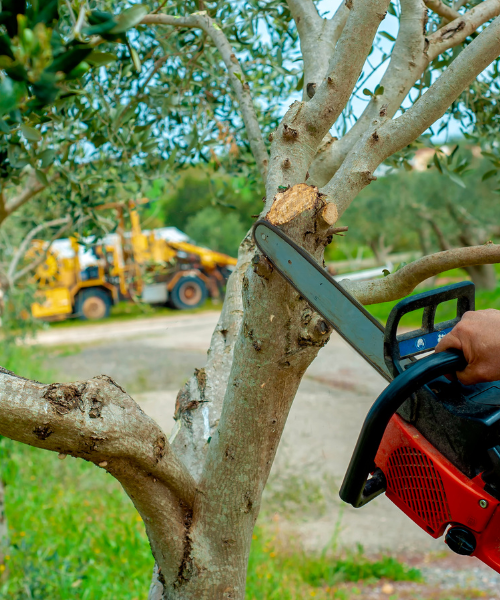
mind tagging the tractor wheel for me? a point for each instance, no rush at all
(93, 304)
(188, 292)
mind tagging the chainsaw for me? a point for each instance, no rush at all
(429, 443)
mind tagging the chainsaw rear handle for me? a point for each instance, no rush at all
(356, 488)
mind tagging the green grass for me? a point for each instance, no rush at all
(279, 572)
(75, 534)
(26, 361)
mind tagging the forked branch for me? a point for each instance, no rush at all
(403, 282)
(389, 136)
(411, 55)
(306, 123)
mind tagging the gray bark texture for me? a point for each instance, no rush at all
(199, 492)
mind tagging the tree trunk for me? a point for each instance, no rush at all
(265, 339)
(484, 277)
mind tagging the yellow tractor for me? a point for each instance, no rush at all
(154, 266)
(64, 289)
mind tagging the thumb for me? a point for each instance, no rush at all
(450, 340)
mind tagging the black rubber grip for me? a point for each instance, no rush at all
(402, 387)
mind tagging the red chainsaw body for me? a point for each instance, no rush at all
(430, 490)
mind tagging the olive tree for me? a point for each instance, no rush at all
(199, 491)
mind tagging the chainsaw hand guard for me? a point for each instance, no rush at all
(356, 488)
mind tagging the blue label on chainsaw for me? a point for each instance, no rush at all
(422, 343)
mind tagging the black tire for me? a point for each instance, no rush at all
(188, 293)
(93, 304)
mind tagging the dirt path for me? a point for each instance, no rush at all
(152, 358)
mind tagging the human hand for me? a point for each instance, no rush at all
(477, 335)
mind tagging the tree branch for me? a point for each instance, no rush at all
(463, 26)
(98, 421)
(318, 37)
(443, 10)
(306, 123)
(403, 282)
(241, 88)
(33, 187)
(411, 55)
(388, 136)
(408, 61)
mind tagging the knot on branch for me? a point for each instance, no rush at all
(261, 266)
(330, 214)
(65, 397)
(290, 134)
(368, 176)
(311, 89)
(315, 331)
(185, 403)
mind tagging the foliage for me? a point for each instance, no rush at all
(404, 207)
(212, 228)
(214, 208)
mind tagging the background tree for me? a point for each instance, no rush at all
(199, 492)
(426, 211)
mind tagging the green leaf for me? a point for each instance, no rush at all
(239, 77)
(41, 177)
(98, 16)
(99, 28)
(30, 133)
(4, 128)
(5, 61)
(387, 36)
(99, 59)
(437, 163)
(386, 272)
(69, 60)
(300, 84)
(454, 177)
(489, 174)
(451, 156)
(78, 71)
(391, 10)
(379, 90)
(46, 158)
(11, 93)
(135, 59)
(129, 18)
(367, 92)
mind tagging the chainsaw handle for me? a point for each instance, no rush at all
(354, 489)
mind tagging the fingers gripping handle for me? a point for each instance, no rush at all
(356, 488)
